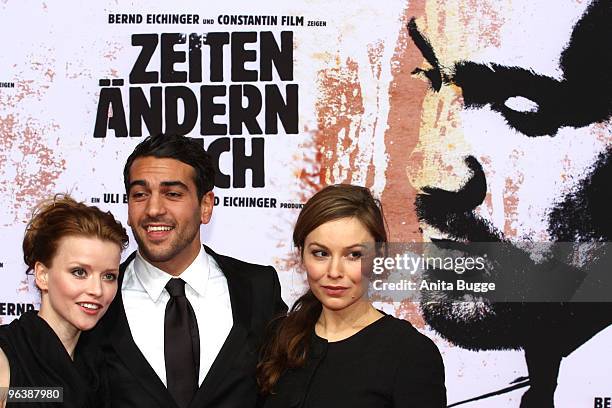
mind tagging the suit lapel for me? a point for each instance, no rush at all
(240, 298)
(120, 338)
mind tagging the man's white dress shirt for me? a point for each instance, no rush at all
(145, 298)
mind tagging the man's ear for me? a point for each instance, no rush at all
(41, 275)
(206, 207)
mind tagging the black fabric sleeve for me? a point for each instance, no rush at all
(419, 379)
(280, 308)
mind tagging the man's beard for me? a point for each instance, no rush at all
(475, 322)
(183, 239)
(476, 325)
(584, 214)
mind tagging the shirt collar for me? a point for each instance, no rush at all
(154, 280)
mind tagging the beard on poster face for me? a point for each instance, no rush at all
(584, 214)
(473, 322)
(489, 321)
(478, 322)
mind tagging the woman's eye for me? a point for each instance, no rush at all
(319, 253)
(355, 255)
(109, 277)
(79, 272)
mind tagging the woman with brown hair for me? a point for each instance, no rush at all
(73, 252)
(334, 349)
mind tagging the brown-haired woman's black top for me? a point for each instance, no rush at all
(37, 358)
(386, 364)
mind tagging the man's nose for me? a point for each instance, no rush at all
(155, 205)
(438, 158)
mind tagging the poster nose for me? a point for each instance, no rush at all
(442, 147)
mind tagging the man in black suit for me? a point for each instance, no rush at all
(185, 328)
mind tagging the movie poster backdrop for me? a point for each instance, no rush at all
(471, 120)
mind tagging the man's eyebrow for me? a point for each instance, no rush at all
(137, 183)
(434, 74)
(174, 183)
(170, 183)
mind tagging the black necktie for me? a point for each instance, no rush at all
(181, 344)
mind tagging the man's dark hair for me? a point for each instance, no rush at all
(181, 148)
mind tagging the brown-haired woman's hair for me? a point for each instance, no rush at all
(62, 216)
(288, 346)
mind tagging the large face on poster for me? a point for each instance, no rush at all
(471, 120)
(525, 113)
(515, 148)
